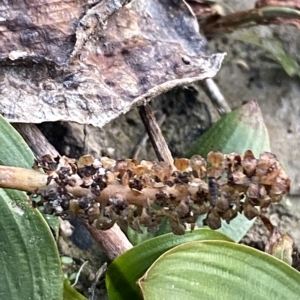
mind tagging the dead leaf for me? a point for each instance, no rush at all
(90, 61)
(288, 20)
(285, 3)
(279, 245)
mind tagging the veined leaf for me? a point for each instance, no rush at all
(219, 270)
(125, 270)
(31, 265)
(240, 130)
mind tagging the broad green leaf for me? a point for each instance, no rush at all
(13, 150)
(125, 270)
(31, 264)
(70, 293)
(219, 270)
(273, 46)
(53, 223)
(31, 267)
(237, 131)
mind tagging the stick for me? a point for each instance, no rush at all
(243, 19)
(113, 241)
(213, 93)
(157, 139)
(144, 139)
(36, 141)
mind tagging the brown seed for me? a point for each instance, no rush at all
(198, 164)
(249, 163)
(182, 164)
(213, 220)
(215, 158)
(85, 160)
(250, 211)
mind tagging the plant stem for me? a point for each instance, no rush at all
(213, 93)
(157, 139)
(144, 139)
(243, 19)
(36, 141)
(113, 241)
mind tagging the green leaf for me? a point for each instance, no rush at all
(13, 151)
(70, 293)
(273, 46)
(219, 270)
(237, 131)
(125, 270)
(31, 264)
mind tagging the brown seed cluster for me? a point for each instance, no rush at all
(143, 193)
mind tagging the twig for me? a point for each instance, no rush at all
(144, 139)
(113, 241)
(212, 91)
(157, 139)
(248, 18)
(99, 273)
(35, 139)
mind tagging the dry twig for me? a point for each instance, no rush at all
(212, 91)
(244, 19)
(113, 241)
(157, 139)
(144, 139)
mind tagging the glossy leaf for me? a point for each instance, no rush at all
(219, 270)
(31, 266)
(125, 270)
(237, 131)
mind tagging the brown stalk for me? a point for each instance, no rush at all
(155, 135)
(22, 179)
(213, 93)
(113, 241)
(144, 139)
(36, 141)
(35, 181)
(243, 19)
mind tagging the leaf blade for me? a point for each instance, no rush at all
(219, 270)
(32, 264)
(125, 270)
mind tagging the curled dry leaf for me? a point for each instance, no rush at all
(285, 3)
(289, 20)
(90, 61)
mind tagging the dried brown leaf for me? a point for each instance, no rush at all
(285, 3)
(121, 55)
